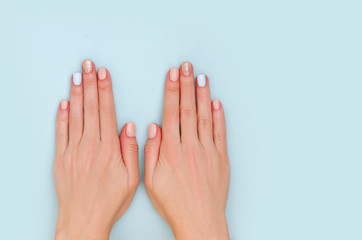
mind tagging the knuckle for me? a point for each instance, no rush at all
(132, 146)
(187, 111)
(204, 121)
(62, 119)
(89, 80)
(202, 94)
(172, 88)
(76, 91)
(150, 147)
(104, 86)
(91, 108)
(171, 112)
(107, 108)
(219, 137)
(61, 137)
(188, 83)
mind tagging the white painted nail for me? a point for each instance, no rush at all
(201, 80)
(77, 78)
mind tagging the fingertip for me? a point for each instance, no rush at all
(152, 131)
(174, 74)
(131, 130)
(63, 110)
(186, 68)
(64, 105)
(201, 80)
(76, 79)
(102, 73)
(216, 104)
(88, 66)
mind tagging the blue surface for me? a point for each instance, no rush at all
(288, 73)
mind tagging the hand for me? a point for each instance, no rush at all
(96, 171)
(186, 163)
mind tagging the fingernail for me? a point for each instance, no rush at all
(201, 80)
(216, 104)
(130, 129)
(102, 73)
(64, 104)
(77, 78)
(152, 130)
(186, 68)
(87, 66)
(174, 74)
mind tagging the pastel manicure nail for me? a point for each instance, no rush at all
(64, 104)
(152, 131)
(186, 68)
(174, 74)
(77, 78)
(130, 129)
(216, 104)
(201, 80)
(87, 66)
(102, 73)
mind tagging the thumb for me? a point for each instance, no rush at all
(129, 149)
(152, 150)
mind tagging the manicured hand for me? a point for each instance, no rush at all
(186, 163)
(96, 171)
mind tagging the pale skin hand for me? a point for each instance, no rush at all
(186, 163)
(96, 171)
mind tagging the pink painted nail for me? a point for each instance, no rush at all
(64, 104)
(174, 74)
(130, 129)
(102, 73)
(87, 66)
(186, 68)
(216, 104)
(152, 130)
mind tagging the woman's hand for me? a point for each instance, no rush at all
(186, 163)
(96, 171)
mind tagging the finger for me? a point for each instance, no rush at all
(107, 112)
(76, 109)
(61, 132)
(152, 150)
(129, 148)
(204, 116)
(171, 116)
(188, 105)
(219, 126)
(91, 112)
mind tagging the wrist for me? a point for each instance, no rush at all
(217, 230)
(79, 229)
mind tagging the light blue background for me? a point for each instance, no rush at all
(288, 73)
